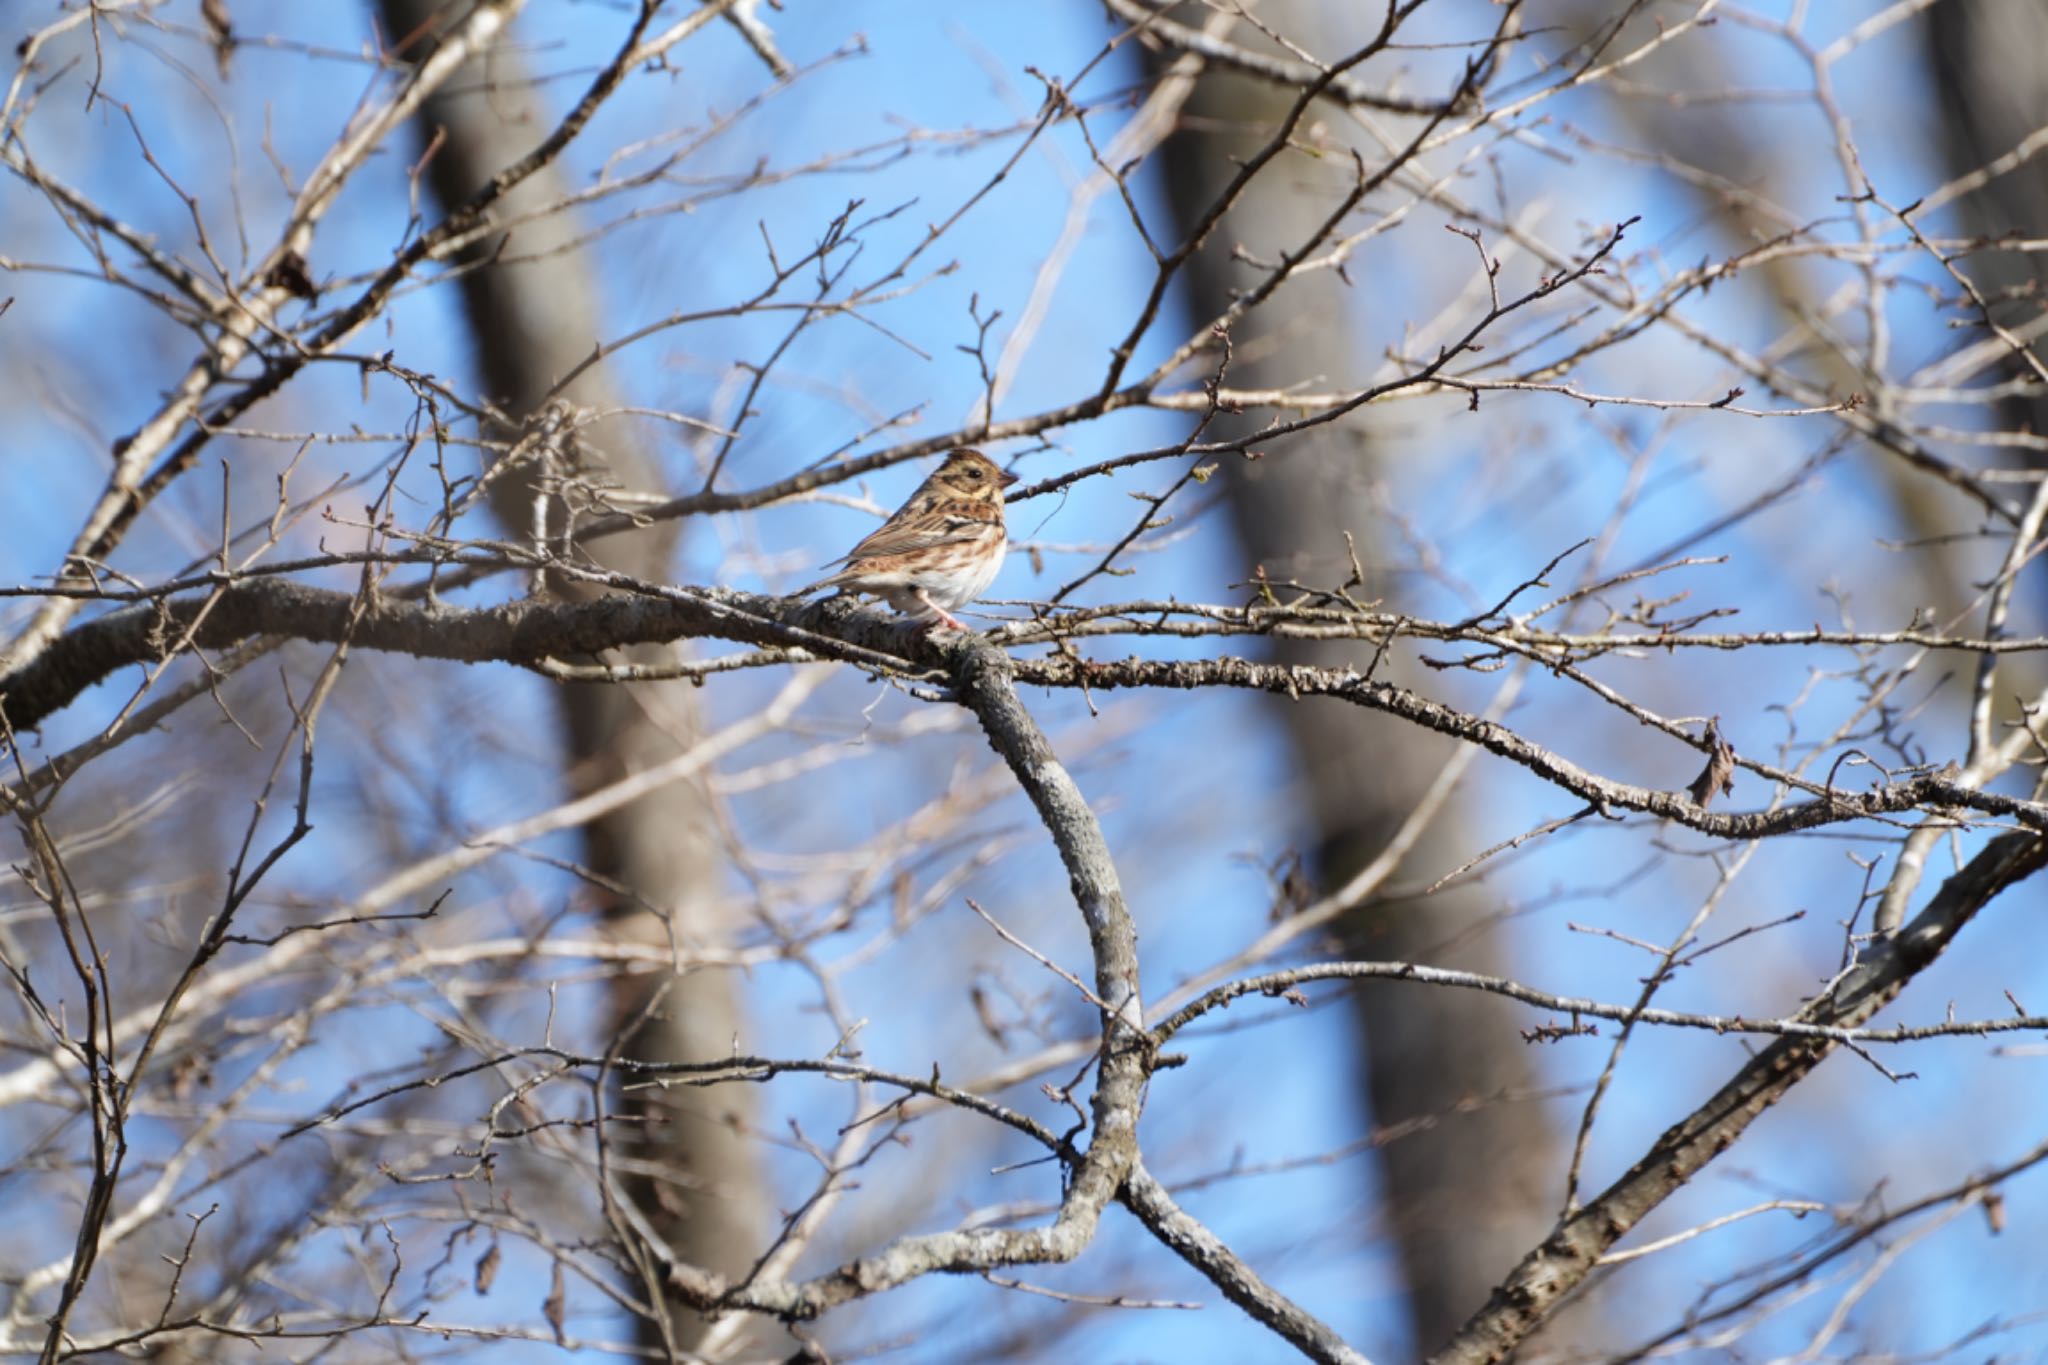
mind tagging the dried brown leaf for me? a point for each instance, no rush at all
(1718, 777)
(487, 1270)
(555, 1307)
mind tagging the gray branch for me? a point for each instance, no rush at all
(531, 631)
(983, 685)
(1536, 1287)
(1205, 1251)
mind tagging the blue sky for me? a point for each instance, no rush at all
(1196, 794)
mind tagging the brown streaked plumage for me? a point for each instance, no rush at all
(942, 548)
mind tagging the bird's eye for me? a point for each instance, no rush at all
(973, 473)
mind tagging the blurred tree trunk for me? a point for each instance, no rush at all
(1733, 143)
(1991, 86)
(1990, 68)
(1989, 65)
(529, 324)
(1992, 91)
(1469, 1193)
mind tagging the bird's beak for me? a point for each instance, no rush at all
(1005, 478)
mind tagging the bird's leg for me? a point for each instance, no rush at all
(924, 600)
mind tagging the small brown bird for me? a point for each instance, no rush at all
(942, 548)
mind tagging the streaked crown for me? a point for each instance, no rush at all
(971, 474)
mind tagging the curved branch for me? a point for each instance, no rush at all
(983, 685)
(1348, 684)
(1282, 982)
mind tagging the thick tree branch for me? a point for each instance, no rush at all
(1553, 1270)
(531, 631)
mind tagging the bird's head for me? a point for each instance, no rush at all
(974, 476)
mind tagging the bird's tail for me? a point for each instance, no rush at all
(831, 582)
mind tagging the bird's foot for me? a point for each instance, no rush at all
(939, 613)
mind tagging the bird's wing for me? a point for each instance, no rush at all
(949, 523)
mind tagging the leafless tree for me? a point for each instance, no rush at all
(653, 856)
(1463, 1203)
(463, 904)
